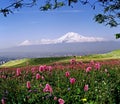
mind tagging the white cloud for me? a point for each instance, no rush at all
(70, 37)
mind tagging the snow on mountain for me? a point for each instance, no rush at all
(70, 37)
(24, 43)
(75, 37)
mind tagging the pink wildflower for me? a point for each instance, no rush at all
(55, 98)
(43, 78)
(48, 88)
(41, 68)
(3, 76)
(86, 88)
(88, 69)
(72, 61)
(97, 66)
(2, 101)
(37, 76)
(61, 101)
(18, 72)
(92, 62)
(33, 69)
(49, 68)
(45, 67)
(80, 62)
(28, 85)
(67, 74)
(72, 80)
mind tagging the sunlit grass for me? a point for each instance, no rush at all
(20, 62)
(50, 60)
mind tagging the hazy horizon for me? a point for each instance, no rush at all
(60, 49)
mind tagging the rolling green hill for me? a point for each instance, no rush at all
(111, 55)
(49, 60)
(34, 61)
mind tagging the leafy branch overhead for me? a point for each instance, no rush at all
(117, 36)
(110, 15)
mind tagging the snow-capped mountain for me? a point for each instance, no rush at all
(70, 37)
(75, 37)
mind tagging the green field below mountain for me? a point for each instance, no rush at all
(50, 60)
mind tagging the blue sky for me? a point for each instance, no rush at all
(32, 24)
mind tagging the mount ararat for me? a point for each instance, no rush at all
(69, 44)
(69, 37)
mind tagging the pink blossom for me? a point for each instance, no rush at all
(3, 76)
(49, 68)
(72, 80)
(18, 72)
(28, 85)
(97, 66)
(88, 69)
(43, 78)
(72, 61)
(41, 68)
(67, 74)
(86, 88)
(80, 62)
(61, 101)
(48, 88)
(92, 62)
(45, 67)
(38, 76)
(55, 98)
(2, 101)
(33, 69)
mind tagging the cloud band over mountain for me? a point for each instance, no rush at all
(70, 37)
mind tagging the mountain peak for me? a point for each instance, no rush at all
(25, 43)
(70, 37)
(71, 34)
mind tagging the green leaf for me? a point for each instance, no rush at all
(117, 35)
(46, 7)
(100, 18)
(78, 91)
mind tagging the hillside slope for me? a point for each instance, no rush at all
(49, 60)
(34, 61)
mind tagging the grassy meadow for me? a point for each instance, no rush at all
(91, 79)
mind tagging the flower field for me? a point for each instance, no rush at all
(76, 82)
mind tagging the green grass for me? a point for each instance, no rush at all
(49, 60)
(21, 62)
(111, 55)
(33, 61)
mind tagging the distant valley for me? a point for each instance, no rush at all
(60, 49)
